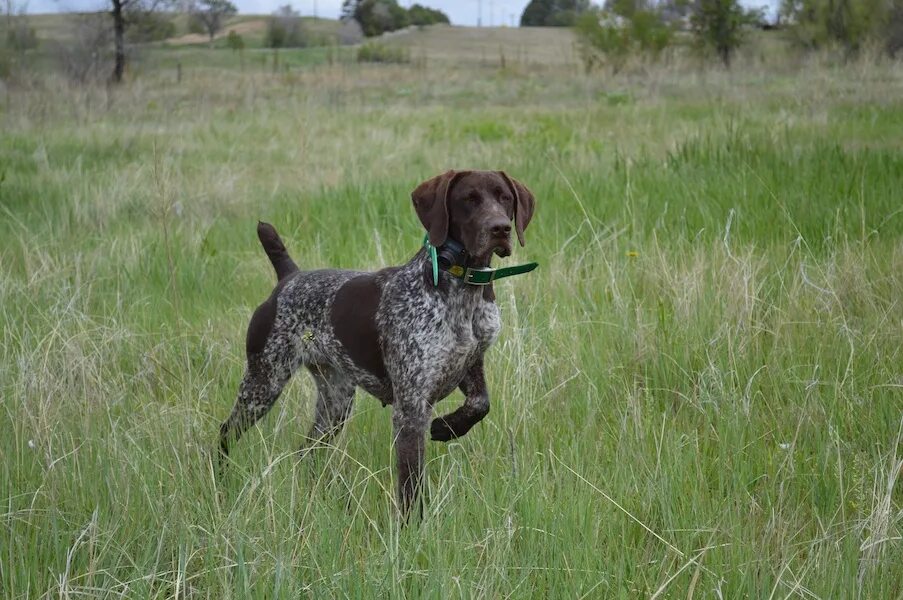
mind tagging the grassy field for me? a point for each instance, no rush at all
(699, 394)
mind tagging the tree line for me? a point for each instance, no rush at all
(381, 16)
(610, 32)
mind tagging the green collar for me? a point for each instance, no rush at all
(474, 275)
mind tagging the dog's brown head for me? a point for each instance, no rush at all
(475, 208)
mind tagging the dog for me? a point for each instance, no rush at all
(408, 335)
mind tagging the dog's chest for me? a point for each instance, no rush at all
(469, 329)
(475, 323)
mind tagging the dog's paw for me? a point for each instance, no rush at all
(440, 431)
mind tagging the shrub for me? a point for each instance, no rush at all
(146, 26)
(893, 31)
(235, 41)
(609, 38)
(350, 32)
(19, 36)
(87, 52)
(285, 29)
(602, 39)
(383, 53)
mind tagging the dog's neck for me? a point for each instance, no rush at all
(452, 254)
(448, 283)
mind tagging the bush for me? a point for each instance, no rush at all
(606, 38)
(285, 29)
(383, 53)
(87, 54)
(15, 43)
(350, 33)
(19, 36)
(893, 32)
(602, 39)
(149, 27)
(235, 41)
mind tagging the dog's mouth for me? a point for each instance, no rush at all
(502, 248)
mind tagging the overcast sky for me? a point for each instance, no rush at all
(461, 12)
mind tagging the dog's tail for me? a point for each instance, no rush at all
(275, 250)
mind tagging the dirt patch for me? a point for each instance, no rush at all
(243, 28)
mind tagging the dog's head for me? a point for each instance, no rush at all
(475, 208)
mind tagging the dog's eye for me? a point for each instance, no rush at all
(474, 197)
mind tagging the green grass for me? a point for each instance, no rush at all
(698, 394)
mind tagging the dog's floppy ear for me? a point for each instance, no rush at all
(431, 203)
(524, 204)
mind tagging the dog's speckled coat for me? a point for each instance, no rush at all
(425, 340)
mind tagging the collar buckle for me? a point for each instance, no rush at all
(479, 275)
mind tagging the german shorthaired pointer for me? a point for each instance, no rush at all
(399, 334)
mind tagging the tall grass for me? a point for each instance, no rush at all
(698, 394)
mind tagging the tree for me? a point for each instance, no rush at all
(379, 16)
(845, 23)
(553, 13)
(118, 13)
(422, 15)
(125, 13)
(212, 14)
(376, 16)
(718, 24)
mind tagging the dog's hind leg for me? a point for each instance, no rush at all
(259, 390)
(335, 395)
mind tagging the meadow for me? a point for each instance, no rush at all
(698, 394)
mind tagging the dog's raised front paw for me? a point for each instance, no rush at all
(440, 431)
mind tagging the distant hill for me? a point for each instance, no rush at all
(549, 46)
(527, 45)
(56, 26)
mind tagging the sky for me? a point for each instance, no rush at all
(461, 12)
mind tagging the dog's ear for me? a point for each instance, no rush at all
(431, 203)
(524, 204)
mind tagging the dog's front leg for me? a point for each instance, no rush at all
(475, 407)
(409, 419)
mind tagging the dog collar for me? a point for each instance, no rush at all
(469, 275)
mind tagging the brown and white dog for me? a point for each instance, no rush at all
(395, 332)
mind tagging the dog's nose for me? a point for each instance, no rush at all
(501, 229)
